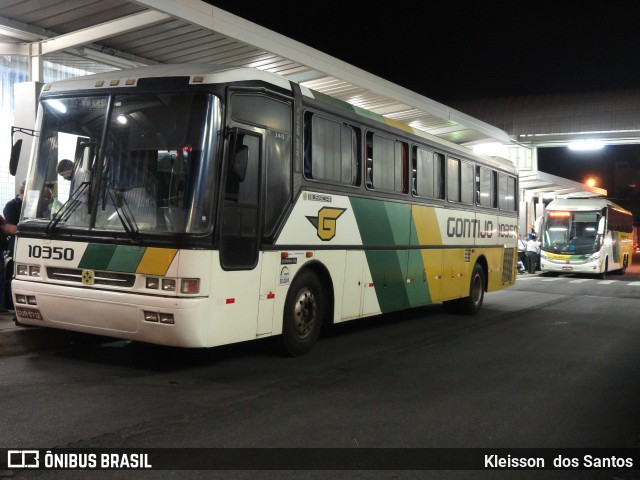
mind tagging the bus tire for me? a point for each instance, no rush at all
(603, 274)
(304, 314)
(471, 305)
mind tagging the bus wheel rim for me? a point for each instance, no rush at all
(305, 312)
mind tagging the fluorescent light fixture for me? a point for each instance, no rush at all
(582, 145)
(107, 59)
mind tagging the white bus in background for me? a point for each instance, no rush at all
(586, 235)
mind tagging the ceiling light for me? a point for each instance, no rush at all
(583, 145)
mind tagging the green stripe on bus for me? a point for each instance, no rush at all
(116, 258)
(126, 259)
(385, 224)
(97, 256)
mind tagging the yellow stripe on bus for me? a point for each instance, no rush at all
(156, 261)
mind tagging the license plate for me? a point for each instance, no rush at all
(28, 313)
(567, 267)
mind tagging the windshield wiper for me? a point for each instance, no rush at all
(67, 209)
(123, 211)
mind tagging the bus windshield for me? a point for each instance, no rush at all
(136, 163)
(570, 232)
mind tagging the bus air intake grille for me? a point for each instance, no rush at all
(507, 264)
(112, 279)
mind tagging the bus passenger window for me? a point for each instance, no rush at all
(453, 180)
(427, 173)
(330, 151)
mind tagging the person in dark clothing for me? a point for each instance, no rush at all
(12, 216)
(533, 251)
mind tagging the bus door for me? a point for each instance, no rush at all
(239, 216)
(256, 193)
(239, 224)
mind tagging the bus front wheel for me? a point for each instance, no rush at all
(603, 274)
(304, 312)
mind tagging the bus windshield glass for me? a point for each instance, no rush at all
(570, 232)
(135, 163)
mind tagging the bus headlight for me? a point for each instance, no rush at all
(22, 269)
(34, 270)
(543, 254)
(595, 256)
(168, 285)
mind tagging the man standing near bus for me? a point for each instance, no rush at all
(12, 216)
(522, 253)
(533, 250)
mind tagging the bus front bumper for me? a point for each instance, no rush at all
(555, 266)
(113, 314)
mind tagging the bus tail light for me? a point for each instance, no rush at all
(190, 285)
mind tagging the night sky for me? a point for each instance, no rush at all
(451, 51)
(462, 50)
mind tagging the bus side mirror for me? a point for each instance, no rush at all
(15, 157)
(601, 226)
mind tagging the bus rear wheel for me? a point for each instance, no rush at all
(471, 305)
(304, 314)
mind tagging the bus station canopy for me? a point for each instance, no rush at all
(115, 34)
(110, 35)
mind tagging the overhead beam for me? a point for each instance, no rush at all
(102, 31)
(10, 48)
(21, 31)
(215, 19)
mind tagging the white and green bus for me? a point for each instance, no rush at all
(197, 206)
(586, 235)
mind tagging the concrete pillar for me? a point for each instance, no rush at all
(26, 105)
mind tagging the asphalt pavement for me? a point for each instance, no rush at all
(20, 339)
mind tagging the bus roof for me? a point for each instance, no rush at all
(212, 73)
(583, 204)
